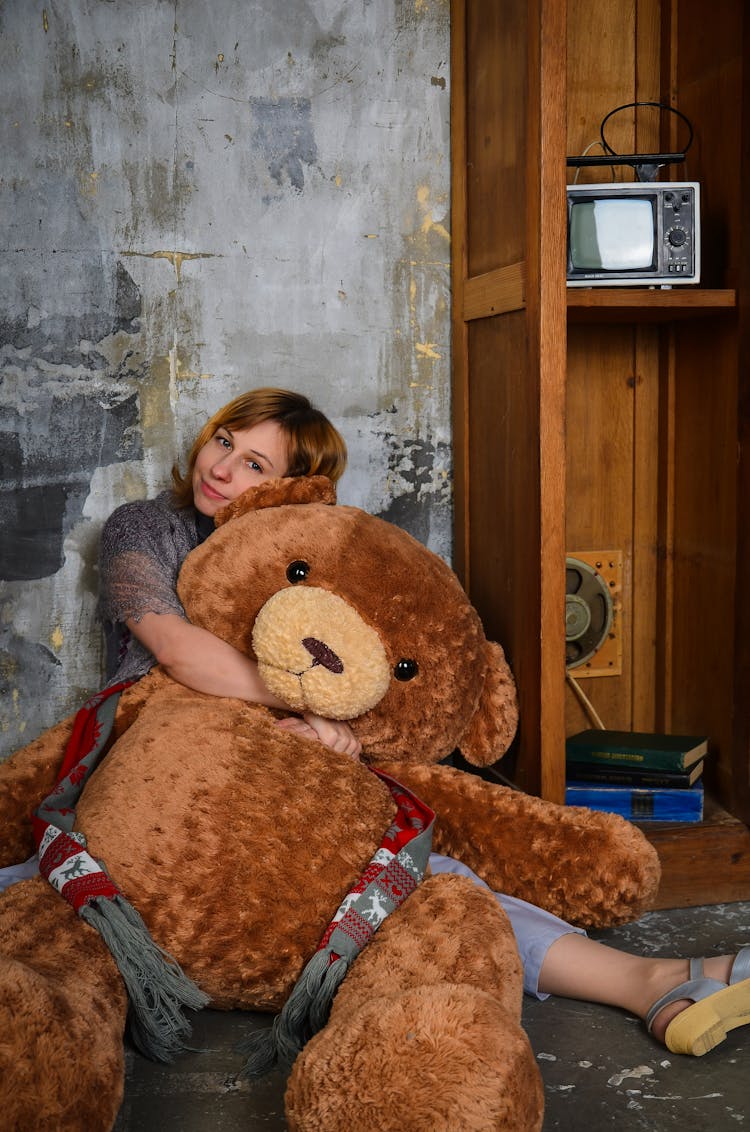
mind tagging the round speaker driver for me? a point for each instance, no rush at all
(588, 612)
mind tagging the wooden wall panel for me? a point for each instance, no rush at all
(507, 555)
(605, 30)
(613, 371)
(505, 439)
(599, 478)
(497, 134)
(646, 626)
(710, 516)
(613, 474)
(705, 540)
(709, 65)
(741, 749)
(509, 360)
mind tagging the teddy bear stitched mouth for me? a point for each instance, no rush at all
(321, 654)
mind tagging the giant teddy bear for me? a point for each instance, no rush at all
(238, 841)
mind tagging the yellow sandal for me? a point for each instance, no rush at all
(717, 1007)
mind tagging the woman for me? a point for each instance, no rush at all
(269, 433)
(261, 435)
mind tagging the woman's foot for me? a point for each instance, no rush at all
(668, 974)
(714, 999)
(689, 1005)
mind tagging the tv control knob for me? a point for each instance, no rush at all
(677, 237)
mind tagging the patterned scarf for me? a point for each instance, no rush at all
(158, 990)
(394, 872)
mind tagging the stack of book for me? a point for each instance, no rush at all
(643, 776)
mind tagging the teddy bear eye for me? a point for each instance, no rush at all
(297, 571)
(405, 669)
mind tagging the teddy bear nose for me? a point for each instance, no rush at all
(321, 654)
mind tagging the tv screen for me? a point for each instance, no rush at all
(615, 234)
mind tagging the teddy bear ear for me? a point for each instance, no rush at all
(493, 724)
(278, 493)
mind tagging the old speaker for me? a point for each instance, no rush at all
(592, 585)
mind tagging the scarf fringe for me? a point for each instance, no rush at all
(157, 987)
(302, 1015)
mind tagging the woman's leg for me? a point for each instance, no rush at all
(11, 874)
(578, 967)
(534, 929)
(560, 959)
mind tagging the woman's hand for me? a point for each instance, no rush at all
(196, 658)
(333, 733)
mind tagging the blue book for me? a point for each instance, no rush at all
(653, 804)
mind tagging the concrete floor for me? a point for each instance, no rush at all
(600, 1068)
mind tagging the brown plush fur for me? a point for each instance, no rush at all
(237, 840)
(62, 1017)
(586, 867)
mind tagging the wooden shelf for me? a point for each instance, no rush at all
(645, 304)
(704, 862)
(617, 417)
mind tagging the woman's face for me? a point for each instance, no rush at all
(231, 462)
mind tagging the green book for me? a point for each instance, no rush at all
(639, 776)
(635, 749)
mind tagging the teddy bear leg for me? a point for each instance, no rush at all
(425, 1030)
(62, 1015)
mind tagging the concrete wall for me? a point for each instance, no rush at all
(198, 198)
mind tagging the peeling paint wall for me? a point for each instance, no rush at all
(196, 199)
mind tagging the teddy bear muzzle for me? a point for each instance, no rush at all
(316, 653)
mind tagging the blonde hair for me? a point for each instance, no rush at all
(314, 446)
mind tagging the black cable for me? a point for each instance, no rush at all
(659, 105)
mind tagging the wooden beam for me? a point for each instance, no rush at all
(706, 862)
(495, 292)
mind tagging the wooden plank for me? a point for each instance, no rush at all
(496, 132)
(664, 628)
(648, 84)
(645, 376)
(712, 80)
(459, 335)
(706, 862)
(741, 736)
(601, 396)
(513, 391)
(495, 292)
(645, 456)
(601, 76)
(546, 253)
(635, 304)
(504, 500)
(705, 580)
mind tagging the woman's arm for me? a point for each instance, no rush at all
(196, 658)
(143, 545)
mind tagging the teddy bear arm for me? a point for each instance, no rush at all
(592, 869)
(26, 778)
(30, 774)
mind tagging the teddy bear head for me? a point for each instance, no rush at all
(350, 617)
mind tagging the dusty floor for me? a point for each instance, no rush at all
(600, 1068)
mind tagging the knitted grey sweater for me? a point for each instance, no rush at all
(143, 546)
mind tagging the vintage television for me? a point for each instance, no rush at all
(634, 234)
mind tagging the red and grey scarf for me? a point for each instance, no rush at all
(158, 989)
(394, 872)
